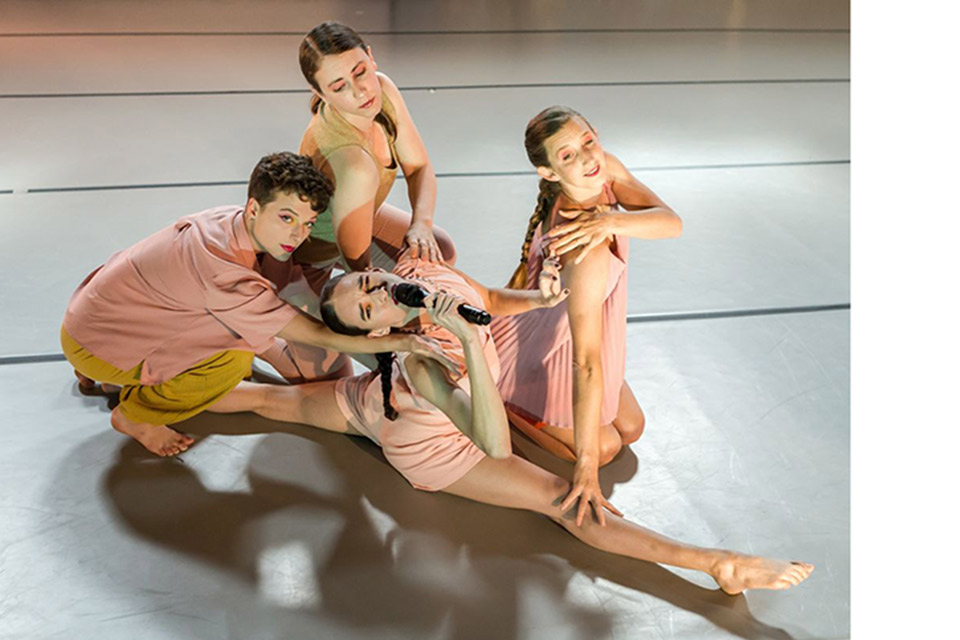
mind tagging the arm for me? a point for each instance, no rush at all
(480, 414)
(647, 217)
(305, 330)
(651, 219)
(418, 171)
(511, 302)
(357, 181)
(587, 281)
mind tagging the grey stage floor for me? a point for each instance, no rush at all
(118, 117)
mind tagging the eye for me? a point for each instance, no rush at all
(566, 157)
(286, 218)
(339, 88)
(588, 142)
(363, 71)
(311, 223)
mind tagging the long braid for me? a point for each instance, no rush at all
(545, 200)
(385, 367)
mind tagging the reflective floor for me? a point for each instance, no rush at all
(118, 117)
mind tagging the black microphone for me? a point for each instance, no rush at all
(413, 295)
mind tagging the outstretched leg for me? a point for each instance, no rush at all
(516, 483)
(313, 404)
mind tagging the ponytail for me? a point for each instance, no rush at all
(545, 201)
(385, 367)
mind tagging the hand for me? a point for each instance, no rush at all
(586, 487)
(429, 348)
(422, 243)
(443, 311)
(590, 228)
(552, 292)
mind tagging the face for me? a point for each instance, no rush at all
(363, 299)
(280, 226)
(576, 158)
(348, 82)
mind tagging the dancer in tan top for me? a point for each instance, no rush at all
(360, 134)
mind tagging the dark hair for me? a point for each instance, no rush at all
(331, 38)
(541, 126)
(384, 359)
(291, 173)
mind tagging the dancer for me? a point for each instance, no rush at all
(360, 134)
(175, 319)
(562, 377)
(450, 433)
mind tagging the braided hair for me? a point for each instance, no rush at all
(384, 359)
(539, 129)
(331, 38)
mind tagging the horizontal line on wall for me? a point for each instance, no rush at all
(659, 317)
(734, 313)
(452, 32)
(462, 87)
(477, 174)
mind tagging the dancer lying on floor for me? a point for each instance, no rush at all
(175, 319)
(451, 434)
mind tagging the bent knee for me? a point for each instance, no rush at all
(610, 444)
(631, 430)
(445, 242)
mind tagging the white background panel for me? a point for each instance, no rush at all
(73, 142)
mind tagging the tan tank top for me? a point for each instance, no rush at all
(329, 131)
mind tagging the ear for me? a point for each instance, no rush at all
(252, 208)
(370, 55)
(547, 174)
(379, 333)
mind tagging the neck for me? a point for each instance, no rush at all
(257, 247)
(579, 196)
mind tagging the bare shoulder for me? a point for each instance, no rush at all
(388, 86)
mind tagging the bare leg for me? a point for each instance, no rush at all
(630, 421)
(516, 483)
(390, 226)
(313, 404)
(559, 441)
(157, 438)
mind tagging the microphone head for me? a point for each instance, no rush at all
(409, 294)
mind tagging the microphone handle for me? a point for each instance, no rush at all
(474, 315)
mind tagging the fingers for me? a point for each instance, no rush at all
(570, 499)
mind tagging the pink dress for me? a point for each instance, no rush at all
(536, 348)
(422, 443)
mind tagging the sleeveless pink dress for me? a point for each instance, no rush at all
(422, 443)
(536, 348)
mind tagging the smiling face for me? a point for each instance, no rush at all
(280, 226)
(576, 159)
(348, 82)
(363, 300)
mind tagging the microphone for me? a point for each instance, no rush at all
(413, 295)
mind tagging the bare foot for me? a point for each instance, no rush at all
(89, 385)
(735, 572)
(86, 384)
(157, 438)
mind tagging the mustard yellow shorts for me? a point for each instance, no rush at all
(175, 400)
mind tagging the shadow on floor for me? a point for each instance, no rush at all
(385, 556)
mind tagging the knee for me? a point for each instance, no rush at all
(445, 242)
(632, 429)
(610, 445)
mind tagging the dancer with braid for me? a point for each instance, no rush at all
(450, 433)
(562, 377)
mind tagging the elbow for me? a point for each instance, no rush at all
(586, 368)
(500, 451)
